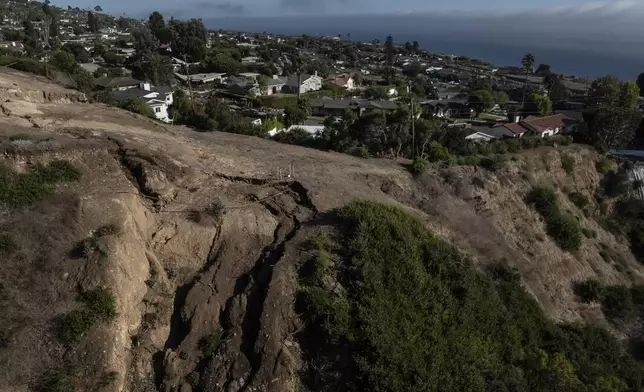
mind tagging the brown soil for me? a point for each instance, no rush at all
(180, 275)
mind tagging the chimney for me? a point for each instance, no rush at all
(517, 118)
(145, 86)
(316, 73)
(275, 77)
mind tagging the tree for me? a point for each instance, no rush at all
(295, 114)
(137, 105)
(612, 127)
(100, 72)
(500, 98)
(543, 70)
(157, 25)
(153, 67)
(78, 50)
(112, 58)
(538, 104)
(98, 8)
(610, 92)
(640, 83)
(412, 70)
(223, 63)
(64, 61)
(481, 100)
(31, 36)
(527, 62)
(550, 80)
(93, 22)
(262, 81)
(188, 38)
(116, 72)
(415, 47)
(376, 92)
(389, 51)
(358, 79)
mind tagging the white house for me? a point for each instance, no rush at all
(157, 98)
(345, 81)
(309, 83)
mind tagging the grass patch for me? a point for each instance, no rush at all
(580, 200)
(99, 306)
(563, 228)
(494, 162)
(37, 183)
(21, 136)
(568, 163)
(216, 210)
(418, 166)
(419, 314)
(192, 378)
(7, 245)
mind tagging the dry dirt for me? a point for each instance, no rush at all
(179, 275)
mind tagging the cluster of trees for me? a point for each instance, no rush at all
(214, 115)
(400, 281)
(614, 122)
(482, 98)
(185, 37)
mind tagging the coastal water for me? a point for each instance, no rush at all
(570, 53)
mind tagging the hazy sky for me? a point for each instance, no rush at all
(223, 8)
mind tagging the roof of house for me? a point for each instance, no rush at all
(277, 81)
(292, 81)
(140, 93)
(116, 81)
(515, 128)
(327, 103)
(340, 80)
(545, 123)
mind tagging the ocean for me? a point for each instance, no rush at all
(571, 52)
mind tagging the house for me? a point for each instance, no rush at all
(345, 81)
(511, 130)
(275, 85)
(117, 83)
(157, 98)
(253, 121)
(480, 137)
(435, 108)
(548, 125)
(308, 83)
(336, 107)
(249, 75)
(202, 78)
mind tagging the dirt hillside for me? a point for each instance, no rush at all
(199, 238)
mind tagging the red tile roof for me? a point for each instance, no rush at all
(546, 123)
(515, 128)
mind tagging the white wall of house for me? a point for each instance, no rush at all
(314, 83)
(161, 112)
(351, 84)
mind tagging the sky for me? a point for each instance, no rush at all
(260, 8)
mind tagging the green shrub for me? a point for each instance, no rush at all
(327, 310)
(589, 233)
(216, 210)
(192, 378)
(23, 189)
(321, 241)
(579, 199)
(494, 163)
(209, 344)
(107, 230)
(564, 229)
(99, 306)
(21, 136)
(469, 160)
(361, 152)
(590, 291)
(419, 165)
(7, 245)
(137, 105)
(100, 303)
(568, 163)
(423, 315)
(604, 165)
(617, 303)
(62, 379)
(437, 152)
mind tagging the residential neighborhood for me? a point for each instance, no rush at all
(265, 84)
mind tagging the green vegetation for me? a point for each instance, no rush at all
(619, 303)
(568, 163)
(563, 228)
(417, 313)
(37, 183)
(210, 343)
(216, 210)
(580, 200)
(192, 378)
(137, 105)
(62, 379)
(99, 306)
(419, 165)
(7, 245)
(21, 136)
(589, 233)
(604, 165)
(90, 246)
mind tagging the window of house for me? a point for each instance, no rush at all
(157, 110)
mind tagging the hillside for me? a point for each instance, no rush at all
(143, 257)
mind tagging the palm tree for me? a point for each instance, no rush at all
(550, 80)
(527, 62)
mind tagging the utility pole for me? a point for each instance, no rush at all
(192, 105)
(413, 118)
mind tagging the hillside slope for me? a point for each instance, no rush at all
(199, 239)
